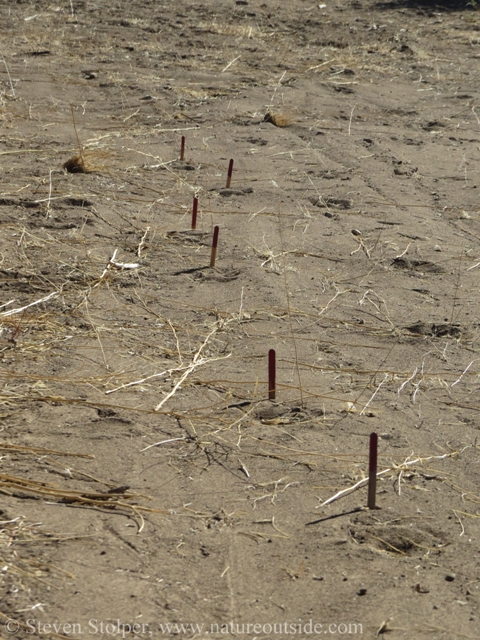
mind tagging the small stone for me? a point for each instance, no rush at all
(361, 592)
(450, 577)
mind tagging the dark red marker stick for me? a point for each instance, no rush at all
(182, 149)
(372, 471)
(194, 213)
(271, 374)
(214, 247)
(229, 175)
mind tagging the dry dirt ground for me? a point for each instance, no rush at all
(146, 477)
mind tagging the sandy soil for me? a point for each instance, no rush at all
(146, 477)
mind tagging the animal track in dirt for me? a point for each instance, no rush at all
(424, 266)
(398, 538)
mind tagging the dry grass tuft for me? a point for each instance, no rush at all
(86, 162)
(108, 498)
(76, 165)
(279, 119)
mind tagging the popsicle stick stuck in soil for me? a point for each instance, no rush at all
(372, 471)
(194, 213)
(229, 175)
(271, 374)
(214, 247)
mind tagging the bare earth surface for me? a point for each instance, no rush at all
(146, 478)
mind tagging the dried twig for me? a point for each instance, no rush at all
(196, 362)
(393, 469)
(12, 312)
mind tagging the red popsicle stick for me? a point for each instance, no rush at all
(372, 471)
(214, 247)
(182, 149)
(271, 374)
(194, 213)
(229, 175)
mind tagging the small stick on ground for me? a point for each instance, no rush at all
(9, 77)
(350, 122)
(196, 362)
(393, 469)
(12, 312)
(142, 242)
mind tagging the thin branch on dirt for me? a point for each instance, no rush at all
(350, 121)
(196, 362)
(177, 342)
(230, 64)
(464, 372)
(142, 380)
(393, 469)
(114, 263)
(385, 313)
(460, 521)
(404, 384)
(9, 76)
(157, 444)
(12, 312)
(48, 214)
(375, 393)
(338, 293)
(142, 243)
(124, 265)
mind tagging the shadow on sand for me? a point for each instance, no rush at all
(431, 6)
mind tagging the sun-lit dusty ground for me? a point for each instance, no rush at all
(146, 478)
